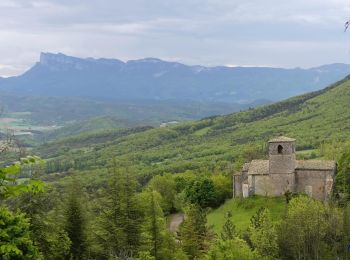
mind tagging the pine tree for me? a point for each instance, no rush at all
(75, 223)
(154, 224)
(257, 218)
(36, 203)
(194, 234)
(228, 230)
(133, 214)
(50, 238)
(110, 234)
(121, 217)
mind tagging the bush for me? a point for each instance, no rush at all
(15, 241)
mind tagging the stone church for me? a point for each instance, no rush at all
(283, 173)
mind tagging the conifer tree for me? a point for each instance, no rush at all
(157, 239)
(75, 223)
(121, 217)
(194, 234)
(228, 230)
(36, 202)
(111, 235)
(154, 224)
(51, 239)
(133, 214)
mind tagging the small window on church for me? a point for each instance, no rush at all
(280, 149)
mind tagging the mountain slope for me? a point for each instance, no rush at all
(217, 142)
(91, 125)
(154, 79)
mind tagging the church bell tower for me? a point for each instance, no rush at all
(282, 159)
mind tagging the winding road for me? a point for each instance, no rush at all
(175, 221)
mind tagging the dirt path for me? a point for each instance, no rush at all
(175, 221)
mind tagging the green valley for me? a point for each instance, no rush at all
(174, 130)
(217, 143)
(113, 188)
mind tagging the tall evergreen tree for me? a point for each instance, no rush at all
(51, 239)
(154, 228)
(156, 237)
(75, 223)
(37, 203)
(194, 233)
(121, 218)
(133, 214)
(110, 233)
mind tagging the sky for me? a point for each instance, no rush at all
(274, 33)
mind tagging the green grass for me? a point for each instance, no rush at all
(243, 209)
(202, 131)
(307, 152)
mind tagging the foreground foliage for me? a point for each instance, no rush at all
(15, 238)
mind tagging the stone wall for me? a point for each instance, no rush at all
(288, 148)
(282, 163)
(273, 184)
(237, 184)
(313, 182)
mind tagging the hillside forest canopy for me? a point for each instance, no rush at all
(166, 193)
(137, 159)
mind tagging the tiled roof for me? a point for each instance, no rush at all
(315, 165)
(281, 139)
(258, 167)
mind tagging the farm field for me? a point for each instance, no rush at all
(21, 124)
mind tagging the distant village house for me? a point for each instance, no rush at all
(169, 123)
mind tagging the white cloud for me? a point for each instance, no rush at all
(207, 32)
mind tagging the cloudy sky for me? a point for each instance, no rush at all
(297, 33)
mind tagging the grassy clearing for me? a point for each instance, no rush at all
(243, 210)
(202, 131)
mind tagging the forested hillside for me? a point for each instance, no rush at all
(217, 142)
(213, 130)
(145, 193)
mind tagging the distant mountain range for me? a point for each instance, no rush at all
(154, 79)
